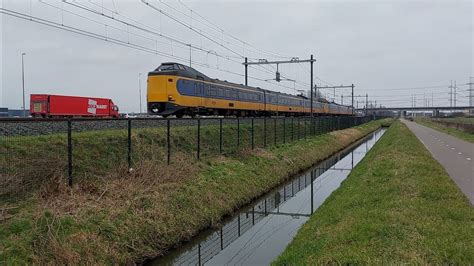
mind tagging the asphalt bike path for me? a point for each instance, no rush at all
(454, 154)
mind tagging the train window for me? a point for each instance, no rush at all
(227, 93)
(166, 67)
(213, 91)
(220, 92)
(196, 88)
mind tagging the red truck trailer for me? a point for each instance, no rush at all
(45, 105)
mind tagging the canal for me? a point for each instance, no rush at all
(260, 231)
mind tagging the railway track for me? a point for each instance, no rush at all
(39, 126)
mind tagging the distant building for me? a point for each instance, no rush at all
(5, 112)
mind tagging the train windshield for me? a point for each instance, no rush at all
(167, 67)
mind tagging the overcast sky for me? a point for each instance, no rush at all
(383, 47)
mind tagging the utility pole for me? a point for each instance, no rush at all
(366, 103)
(23, 81)
(471, 101)
(246, 71)
(451, 95)
(352, 96)
(140, 90)
(266, 62)
(311, 105)
(455, 88)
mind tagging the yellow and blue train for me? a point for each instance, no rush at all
(176, 89)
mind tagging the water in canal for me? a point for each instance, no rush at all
(259, 232)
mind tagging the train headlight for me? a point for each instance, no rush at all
(155, 108)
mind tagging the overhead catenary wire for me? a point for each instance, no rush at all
(129, 43)
(232, 36)
(206, 35)
(183, 43)
(85, 8)
(179, 41)
(111, 40)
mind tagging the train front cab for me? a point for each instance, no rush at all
(162, 96)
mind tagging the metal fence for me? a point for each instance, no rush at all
(36, 151)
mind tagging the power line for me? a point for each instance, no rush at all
(111, 40)
(198, 31)
(190, 27)
(232, 36)
(412, 88)
(183, 43)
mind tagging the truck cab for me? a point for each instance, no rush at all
(114, 110)
(39, 105)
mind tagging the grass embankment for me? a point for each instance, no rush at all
(449, 130)
(126, 218)
(398, 206)
(31, 161)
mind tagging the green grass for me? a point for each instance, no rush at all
(448, 130)
(127, 217)
(398, 206)
(465, 120)
(33, 160)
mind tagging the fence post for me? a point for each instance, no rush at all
(199, 139)
(129, 140)
(312, 179)
(264, 132)
(284, 130)
(168, 140)
(238, 224)
(304, 127)
(69, 152)
(298, 131)
(292, 129)
(238, 132)
(253, 144)
(199, 254)
(220, 135)
(222, 239)
(274, 131)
